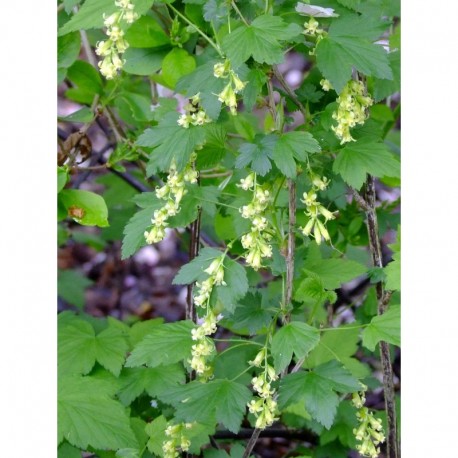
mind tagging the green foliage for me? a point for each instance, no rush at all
(166, 344)
(262, 150)
(293, 145)
(257, 155)
(88, 416)
(341, 50)
(365, 157)
(318, 389)
(85, 207)
(71, 285)
(386, 327)
(393, 269)
(261, 40)
(80, 347)
(176, 64)
(298, 338)
(171, 141)
(222, 400)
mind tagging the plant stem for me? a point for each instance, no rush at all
(193, 253)
(239, 13)
(289, 91)
(200, 32)
(291, 246)
(382, 302)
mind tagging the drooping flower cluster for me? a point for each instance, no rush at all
(265, 407)
(233, 87)
(351, 110)
(370, 431)
(204, 346)
(315, 209)
(114, 47)
(194, 115)
(257, 240)
(172, 192)
(177, 440)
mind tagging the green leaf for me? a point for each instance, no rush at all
(257, 155)
(84, 114)
(335, 271)
(251, 314)
(166, 344)
(349, 44)
(88, 82)
(224, 400)
(386, 327)
(68, 49)
(90, 15)
(236, 284)
(156, 433)
(87, 416)
(296, 337)
(79, 347)
(111, 348)
(76, 347)
(364, 157)
(320, 399)
(393, 268)
(66, 450)
(338, 344)
(176, 64)
(214, 149)
(260, 40)
(171, 142)
(202, 81)
(384, 88)
(153, 380)
(146, 33)
(134, 231)
(194, 270)
(143, 61)
(71, 285)
(338, 376)
(85, 207)
(293, 145)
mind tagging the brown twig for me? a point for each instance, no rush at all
(382, 303)
(289, 91)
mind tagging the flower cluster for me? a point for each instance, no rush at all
(256, 241)
(311, 28)
(351, 110)
(265, 407)
(112, 48)
(370, 430)
(172, 192)
(315, 209)
(326, 85)
(177, 439)
(233, 87)
(194, 115)
(216, 277)
(204, 347)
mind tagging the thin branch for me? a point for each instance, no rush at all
(245, 433)
(200, 32)
(88, 50)
(239, 13)
(382, 303)
(289, 91)
(291, 246)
